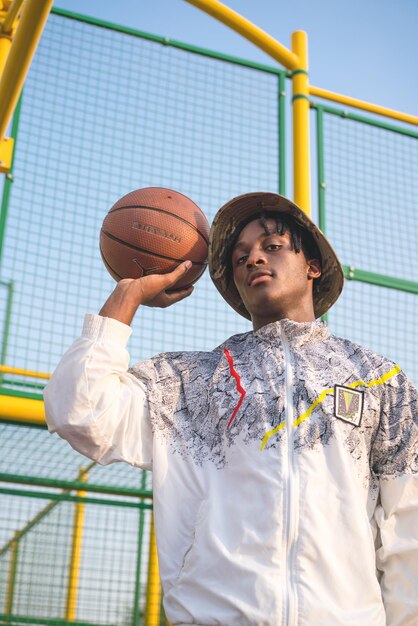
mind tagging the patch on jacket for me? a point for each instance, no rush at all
(348, 404)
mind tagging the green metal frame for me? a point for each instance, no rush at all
(15, 619)
(47, 495)
(74, 484)
(9, 177)
(282, 134)
(21, 394)
(54, 500)
(350, 272)
(166, 41)
(381, 280)
(365, 120)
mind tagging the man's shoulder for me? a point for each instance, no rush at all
(360, 354)
(190, 360)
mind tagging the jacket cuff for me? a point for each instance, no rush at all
(100, 328)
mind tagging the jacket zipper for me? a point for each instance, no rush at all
(292, 484)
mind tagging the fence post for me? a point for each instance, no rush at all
(11, 579)
(300, 101)
(74, 566)
(153, 604)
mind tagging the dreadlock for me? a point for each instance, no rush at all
(300, 238)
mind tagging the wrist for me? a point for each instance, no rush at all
(121, 306)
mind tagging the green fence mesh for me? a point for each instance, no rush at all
(370, 213)
(106, 111)
(38, 498)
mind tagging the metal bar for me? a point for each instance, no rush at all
(20, 533)
(244, 27)
(11, 15)
(37, 518)
(5, 45)
(321, 167)
(20, 383)
(282, 134)
(73, 484)
(301, 139)
(361, 104)
(11, 579)
(136, 612)
(6, 327)
(43, 621)
(166, 41)
(321, 176)
(45, 495)
(6, 369)
(153, 601)
(25, 41)
(9, 177)
(380, 280)
(24, 410)
(75, 557)
(367, 120)
(21, 394)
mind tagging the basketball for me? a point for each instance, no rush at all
(151, 231)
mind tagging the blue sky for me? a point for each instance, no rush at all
(366, 49)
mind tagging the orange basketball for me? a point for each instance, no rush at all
(151, 231)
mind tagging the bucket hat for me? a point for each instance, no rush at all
(327, 287)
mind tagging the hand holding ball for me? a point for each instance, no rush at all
(152, 231)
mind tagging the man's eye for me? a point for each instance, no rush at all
(273, 246)
(240, 260)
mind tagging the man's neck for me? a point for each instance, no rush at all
(295, 316)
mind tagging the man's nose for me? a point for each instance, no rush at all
(256, 257)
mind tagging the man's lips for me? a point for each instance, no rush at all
(259, 277)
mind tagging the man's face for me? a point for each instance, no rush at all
(272, 279)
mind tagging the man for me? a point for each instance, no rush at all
(285, 462)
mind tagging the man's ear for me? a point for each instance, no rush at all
(314, 268)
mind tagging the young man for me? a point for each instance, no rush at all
(284, 462)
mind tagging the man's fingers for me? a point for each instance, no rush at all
(175, 296)
(177, 273)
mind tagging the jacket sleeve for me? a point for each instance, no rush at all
(95, 403)
(396, 464)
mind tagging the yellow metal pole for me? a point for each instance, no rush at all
(248, 30)
(361, 104)
(74, 570)
(6, 369)
(24, 410)
(12, 15)
(25, 41)
(5, 44)
(153, 599)
(301, 143)
(12, 575)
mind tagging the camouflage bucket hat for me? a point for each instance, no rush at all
(327, 287)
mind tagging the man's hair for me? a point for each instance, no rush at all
(300, 238)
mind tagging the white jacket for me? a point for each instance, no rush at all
(285, 471)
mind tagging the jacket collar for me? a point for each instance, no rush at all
(296, 333)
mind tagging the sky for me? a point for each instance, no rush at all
(363, 48)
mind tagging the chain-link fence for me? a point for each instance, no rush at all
(105, 111)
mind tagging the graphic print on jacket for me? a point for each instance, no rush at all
(197, 400)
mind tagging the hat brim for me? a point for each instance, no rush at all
(328, 286)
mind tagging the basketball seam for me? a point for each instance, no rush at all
(160, 256)
(151, 208)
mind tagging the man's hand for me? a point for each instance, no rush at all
(150, 290)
